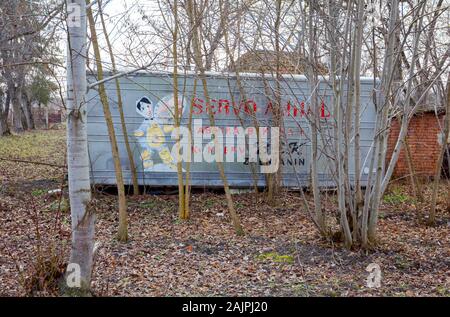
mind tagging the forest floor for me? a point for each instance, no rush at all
(281, 253)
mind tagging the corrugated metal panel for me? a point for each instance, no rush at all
(223, 92)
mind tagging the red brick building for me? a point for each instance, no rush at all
(423, 138)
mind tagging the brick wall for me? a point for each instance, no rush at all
(422, 138)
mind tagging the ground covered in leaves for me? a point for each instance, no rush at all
(281, 253)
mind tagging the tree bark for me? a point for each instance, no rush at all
(191, 10)
(314, 122)
(46, 116)
(358, 43)
(16, 108)
(187, 189)
(133, 169)
(407, 109)
(27, 110)
(224, 11)
(122, 233)
(177, 117)
(382, 118)
(83, 218)
(4, 113)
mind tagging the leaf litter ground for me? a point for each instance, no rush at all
(281, 254)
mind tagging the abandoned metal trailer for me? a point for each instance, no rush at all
(148, 103)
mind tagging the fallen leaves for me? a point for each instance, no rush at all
(281, 255)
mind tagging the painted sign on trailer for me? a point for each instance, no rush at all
(148, 105)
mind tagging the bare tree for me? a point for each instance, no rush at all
(195, 20)
(122, 233)
(133, 170)
(314, 122)
(182, 212)
(83, 217)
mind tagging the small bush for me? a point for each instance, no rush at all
(45, 275)
(396, 197)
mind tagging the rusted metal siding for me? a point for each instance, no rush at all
(223, 92)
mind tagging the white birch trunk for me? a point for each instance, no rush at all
(77, 150)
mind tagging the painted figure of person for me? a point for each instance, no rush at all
(151, 134)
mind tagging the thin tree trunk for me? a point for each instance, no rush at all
(273, 179)
(46, 116)
(368, 196)
(224, 9)
(358, 43)
(383, 117)
(437, 176)
(26, 106)
(428, 44)
(177, 117)
(407, 108)
(83, 218)
(4, 113)
(4, 128)
(133, 169)
(314, 122)
(198, 60)
(122, 234)
(187, 190)
(346, 72)
(16, 109)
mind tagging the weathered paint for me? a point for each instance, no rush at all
(226, 105)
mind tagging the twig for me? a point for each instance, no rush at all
(31, 162)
